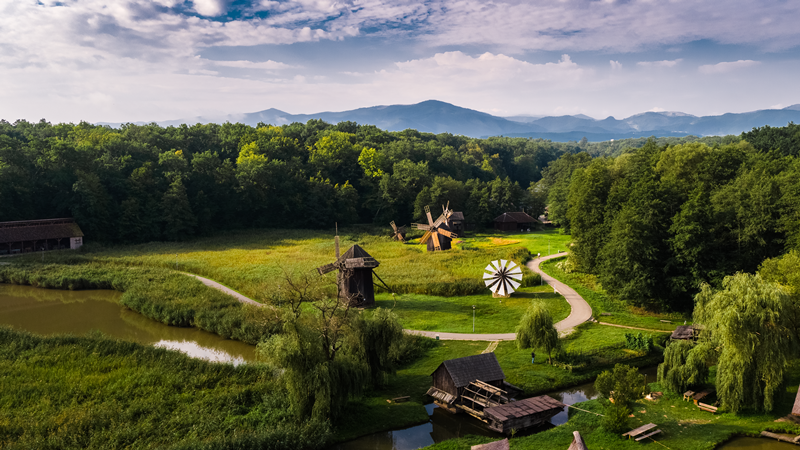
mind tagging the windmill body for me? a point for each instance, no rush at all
(437, 232)
(355, 276)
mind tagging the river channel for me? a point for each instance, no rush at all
(50, 311)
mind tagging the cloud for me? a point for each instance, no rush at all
(665, 63)
(211, 8)
(265, 65)
(615, 65)
(725, 67)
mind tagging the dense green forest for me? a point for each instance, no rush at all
(149, 183)
(656, 222)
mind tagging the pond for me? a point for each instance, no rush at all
(751, 443)
(50, 311)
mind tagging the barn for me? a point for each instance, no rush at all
(514, 221)
(39, 235)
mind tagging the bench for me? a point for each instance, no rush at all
(706, 407)
(648, 435)
(401, 399)
(688, 395)
(641, 430)
(665, 321)
(701, 395)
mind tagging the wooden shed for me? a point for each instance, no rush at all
(682, 332)
(453, 376)
(457, 223)
(514, 221)
(522, 414)
(39, 235)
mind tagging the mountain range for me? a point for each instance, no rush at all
(439, 117)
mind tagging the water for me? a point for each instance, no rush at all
(50, 311)
(751, 443)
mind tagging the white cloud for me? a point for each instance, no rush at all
(264, 65)
(725, 67)
(615, 65)
(210, 8)
(665, 63)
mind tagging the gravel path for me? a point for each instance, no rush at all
(227, 290)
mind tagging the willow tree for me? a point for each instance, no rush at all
(682, 367)
(747, 325)
(536, 330)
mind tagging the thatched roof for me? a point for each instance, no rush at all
(796, 408)
(515, 217)
(457, 216)
(38, 230)
(683, 332)
(525, 407)
(465, 370)
(496, 445)
(577, 442)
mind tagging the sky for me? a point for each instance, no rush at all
(153, 60)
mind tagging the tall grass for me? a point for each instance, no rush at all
(67, 392)
(157, 293)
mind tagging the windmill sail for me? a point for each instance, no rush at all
(502, 277)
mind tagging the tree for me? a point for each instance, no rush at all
(557, 177)
(179, 220)
(588, 192)
(747, 327)
(682, 367)
(625, 385)
(536, 330)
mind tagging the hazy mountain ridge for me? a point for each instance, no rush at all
(434, 116)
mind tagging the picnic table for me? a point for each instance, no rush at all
(688, 394)
(642, 432)
(701, 395)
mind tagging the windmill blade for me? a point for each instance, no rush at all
(421, 226)
(487, 276)
(511, 265)
(502, 289)
(495, 265)
(428, 214)
(425, 237)
(514, 285)
(490, 268)
(394, 227)
(490, 283)
(436, 244)
(326, 268)
(516, 276)
(449, 234)
(503, 263)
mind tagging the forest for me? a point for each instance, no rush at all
(148, 183)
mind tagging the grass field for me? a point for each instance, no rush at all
(454, 314)
(619, 312)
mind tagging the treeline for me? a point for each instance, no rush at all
(656, 222)
(145, 183)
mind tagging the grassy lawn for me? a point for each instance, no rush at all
(454, 314)
(546, 242)
(588, 286)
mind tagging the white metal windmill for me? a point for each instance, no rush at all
(500, 276)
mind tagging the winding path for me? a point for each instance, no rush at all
(580, 310)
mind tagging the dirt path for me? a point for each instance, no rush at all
(227, 290)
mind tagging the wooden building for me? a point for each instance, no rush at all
(683, 332)
(476, 385)
(355, 275)
(445, 242)
(457, 223)
(39, 235)
(514, 221)
(522, 414)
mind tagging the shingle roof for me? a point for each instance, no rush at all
(683, 332)
(35, 230)
(517, 217)
(457, 216)
(482, 367)
(521, 408)
(355, 252)
(496, 445)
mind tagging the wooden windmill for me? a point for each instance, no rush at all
(437, 234)
(355, 275)
(399, 233)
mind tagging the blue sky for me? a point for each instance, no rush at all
(143, 60)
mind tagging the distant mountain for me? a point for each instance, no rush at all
(439, 117)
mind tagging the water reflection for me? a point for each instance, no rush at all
(50, 311)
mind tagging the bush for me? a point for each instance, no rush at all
(639, 342)
(616, 418)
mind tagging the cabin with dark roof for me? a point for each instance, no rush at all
(453, 376)
(39, 235)
(457, 223)
(514, 221)
(683, 332)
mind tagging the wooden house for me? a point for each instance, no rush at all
(39, 235)
(514, 221)
(476, 385)
(683, 332)
(457, 223)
